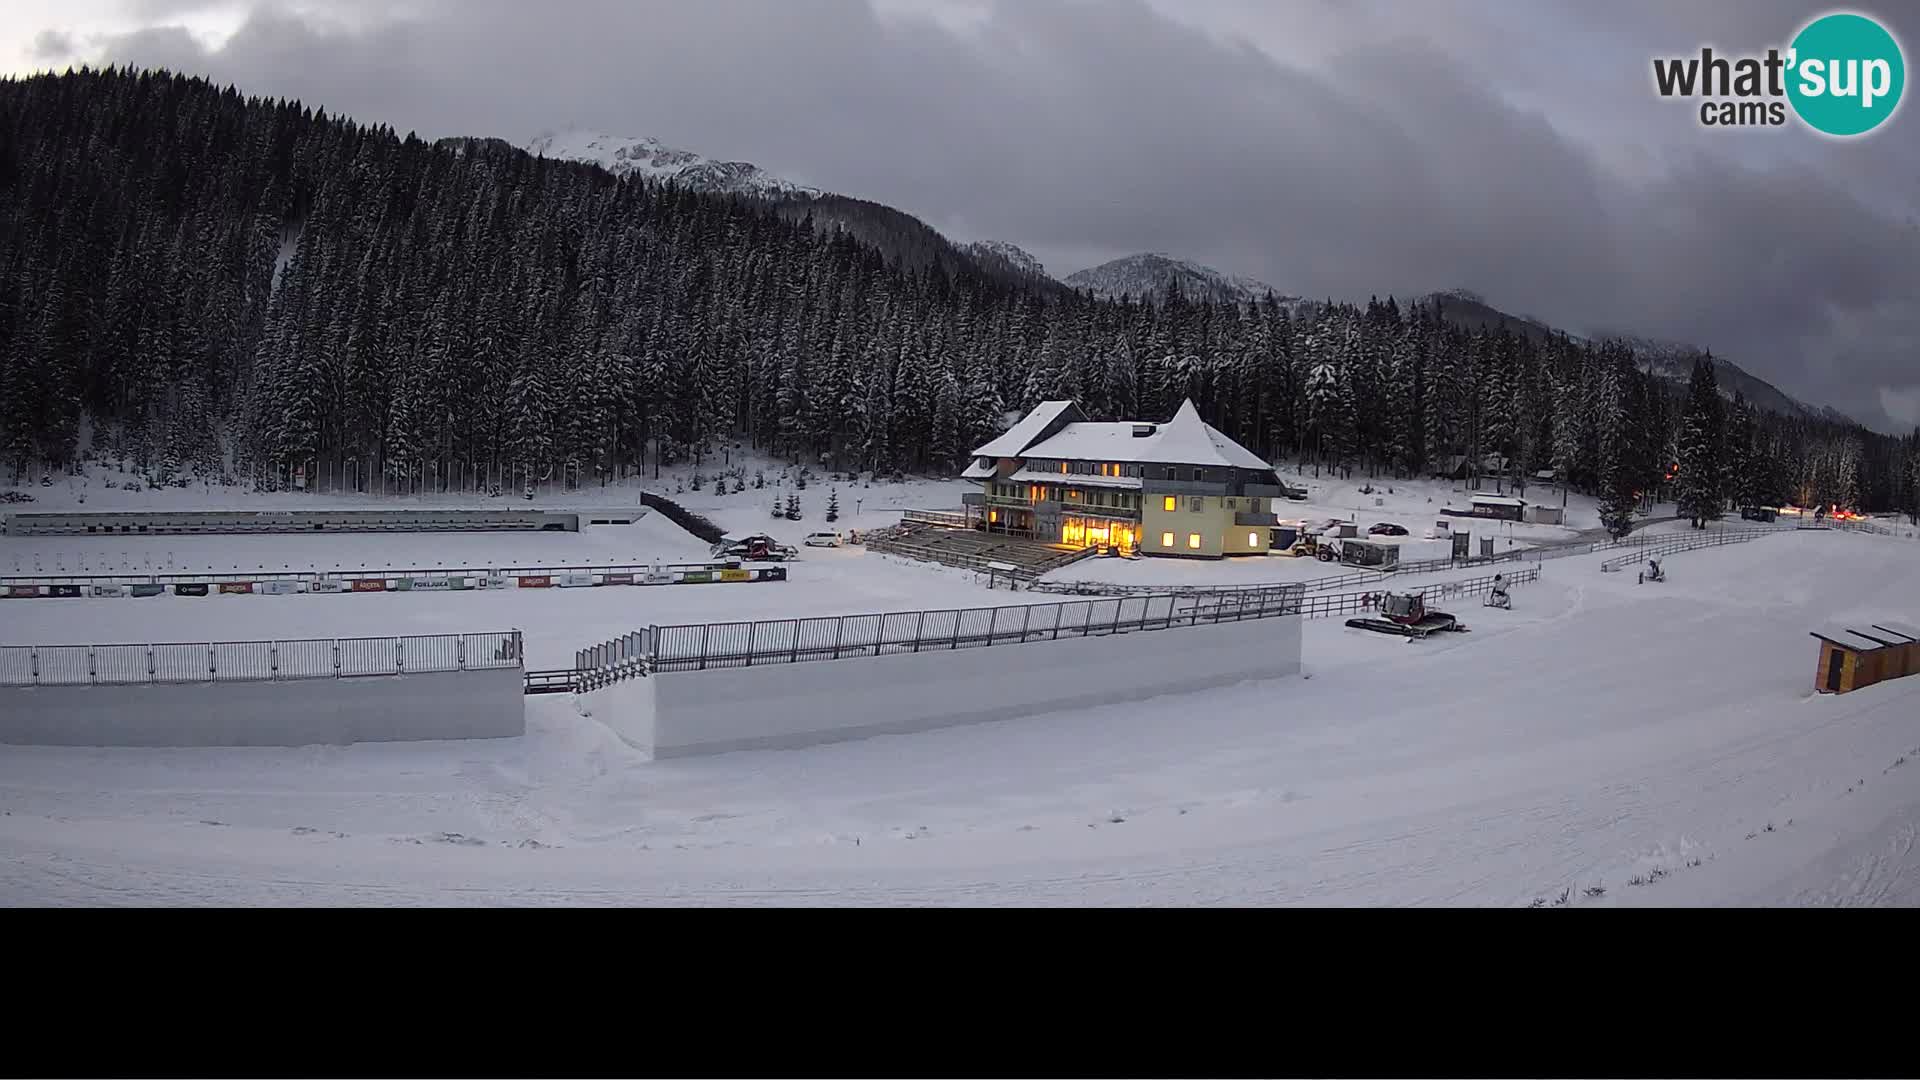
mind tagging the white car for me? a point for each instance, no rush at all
(822, 539)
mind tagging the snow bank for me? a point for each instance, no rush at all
(679, 714)
(484, 704)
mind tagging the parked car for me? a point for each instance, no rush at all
(1387, 528)
(822, 539)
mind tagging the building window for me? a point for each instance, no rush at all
(1172, 504)
(1166, 539)
(993, 516)
(1063, 466)
(1193, 541)
(1233, 504)
(1193, 504)
(1253, 539)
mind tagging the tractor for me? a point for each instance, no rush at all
(1407, 615)
(1309, 545)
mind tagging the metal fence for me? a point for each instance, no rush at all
(255, 661)
(1311, 585)
(387, 573)
(1674, 544)
(697, 647)
(1350, 603)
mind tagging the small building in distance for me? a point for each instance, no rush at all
(1852, 657)
(1174, 488)
(1488, 505)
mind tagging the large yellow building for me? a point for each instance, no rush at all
(1178, 488)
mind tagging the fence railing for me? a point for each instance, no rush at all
(1311, 585)
(695, 647)
(1314, 607)
(387, 573)
(945, 518)
(1675, 544)
(255, 661)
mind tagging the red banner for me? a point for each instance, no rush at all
(369, 585)
(536, 582)
(236, 586)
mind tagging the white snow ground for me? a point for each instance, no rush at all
(1601, 731)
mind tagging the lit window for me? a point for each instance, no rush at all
(1166, 539)
(1063, 466)
(1172, 503)
(1193, 540)
(1253, 539)
(993, 515)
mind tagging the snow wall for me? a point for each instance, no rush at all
(482, 704)
(780, 706)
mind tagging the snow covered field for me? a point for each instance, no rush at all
(556, 622)
(823, 581)
(1601, 732)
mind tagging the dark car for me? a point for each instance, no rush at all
(1387, 528)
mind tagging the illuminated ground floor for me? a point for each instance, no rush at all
(1199, 533)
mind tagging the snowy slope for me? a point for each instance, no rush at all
(653, 160)
(1152, 273)
(1597, 734)
(1012, 254)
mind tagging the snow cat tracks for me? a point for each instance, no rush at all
(1432, 624)
(1407, 615)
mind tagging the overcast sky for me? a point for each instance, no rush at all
(1329, 147)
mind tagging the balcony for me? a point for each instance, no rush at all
(1184, 487)
(1263, 491)
(1255, 517)
(973, 498)
(1115, 513)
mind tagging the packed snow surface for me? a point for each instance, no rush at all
(1600, 734)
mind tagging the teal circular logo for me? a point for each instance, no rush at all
(1845, 74)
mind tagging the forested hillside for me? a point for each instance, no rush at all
(204, 283)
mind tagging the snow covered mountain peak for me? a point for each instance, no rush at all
(651, 159)
(1014, 254)
(1152, 273)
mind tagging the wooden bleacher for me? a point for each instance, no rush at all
(916, 537)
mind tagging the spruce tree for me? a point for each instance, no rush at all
(833, 504)
(1700, 497)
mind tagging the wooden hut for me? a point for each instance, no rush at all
(1911, 646)
(1851, 658)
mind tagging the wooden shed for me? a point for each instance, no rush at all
(1851, 657)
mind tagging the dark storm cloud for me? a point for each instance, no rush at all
(1519, 152)
(51, 45)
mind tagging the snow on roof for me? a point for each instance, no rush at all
(1906, 630)
(977, 471)
(1184, 440)
(1499, 500)
(1040, 476)
(1013, 442)
(1862, 640)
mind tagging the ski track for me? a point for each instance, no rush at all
(1602, 730)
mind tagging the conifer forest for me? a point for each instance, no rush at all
(208, 287)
